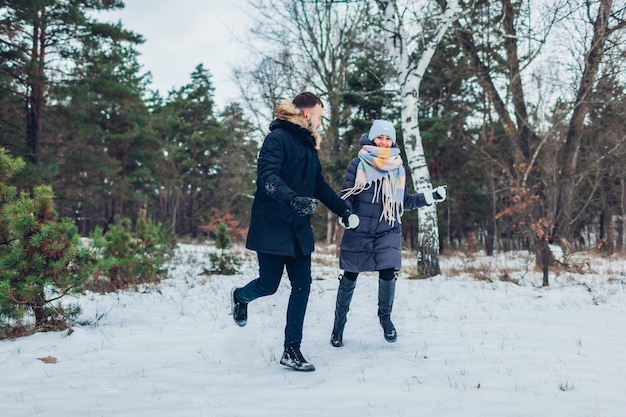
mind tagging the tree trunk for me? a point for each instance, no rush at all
(569, 156)
(620, 220)
(36, 84)
(610, 233)
(428, 232)
(330, 226)
(428, 247)
(491, 215)
(545, 258)
(410, 75)
(601, 232)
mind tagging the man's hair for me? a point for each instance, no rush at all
(307, 100)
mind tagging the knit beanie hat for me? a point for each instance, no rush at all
(382, 127)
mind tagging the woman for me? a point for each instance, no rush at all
(375, 190)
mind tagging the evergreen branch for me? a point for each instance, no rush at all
(15, 300)
(62, 294)
(7, 242)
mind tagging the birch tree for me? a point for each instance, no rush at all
(411, 44)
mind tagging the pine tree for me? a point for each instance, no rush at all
(109, 155)
(38, 42)
(193, 141)
(223, 263)
(236, 162)
(42, 258)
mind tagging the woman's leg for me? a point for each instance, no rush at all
(347, 283)
(386, 294)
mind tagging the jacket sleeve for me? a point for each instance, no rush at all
(270, 162)
(413, 201)
(327, 195)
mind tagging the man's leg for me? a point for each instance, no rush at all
(270, 272)
(299, 271)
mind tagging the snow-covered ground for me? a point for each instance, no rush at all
(469, 344)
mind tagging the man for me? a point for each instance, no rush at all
(289, 186)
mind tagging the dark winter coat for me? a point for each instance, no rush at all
(288, 166)
(374, 245)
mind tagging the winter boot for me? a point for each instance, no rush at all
(344, 296)
(292, 357)
(386, 293)
(239, 309)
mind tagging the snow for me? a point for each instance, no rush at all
(466, 346)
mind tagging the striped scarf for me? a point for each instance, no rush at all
(381, 168)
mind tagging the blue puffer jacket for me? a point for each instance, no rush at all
(288, 165)
(374, 245)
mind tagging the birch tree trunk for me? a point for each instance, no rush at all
(402, 45)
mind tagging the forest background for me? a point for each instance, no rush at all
(521, 113)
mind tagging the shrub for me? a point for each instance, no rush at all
(129, 257)
(223, 263)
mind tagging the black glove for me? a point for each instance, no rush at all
(304, 206)
(345, 217)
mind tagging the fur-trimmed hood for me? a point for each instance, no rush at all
(286, 110)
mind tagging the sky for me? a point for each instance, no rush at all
(181, 34)
(465, 348)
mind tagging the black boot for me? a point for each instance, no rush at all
(386, 293)
(344, 296)
(239, 309)
(292, 357)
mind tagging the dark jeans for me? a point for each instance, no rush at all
(270, 272)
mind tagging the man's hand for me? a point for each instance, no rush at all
(349, 220)
(304, 206)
